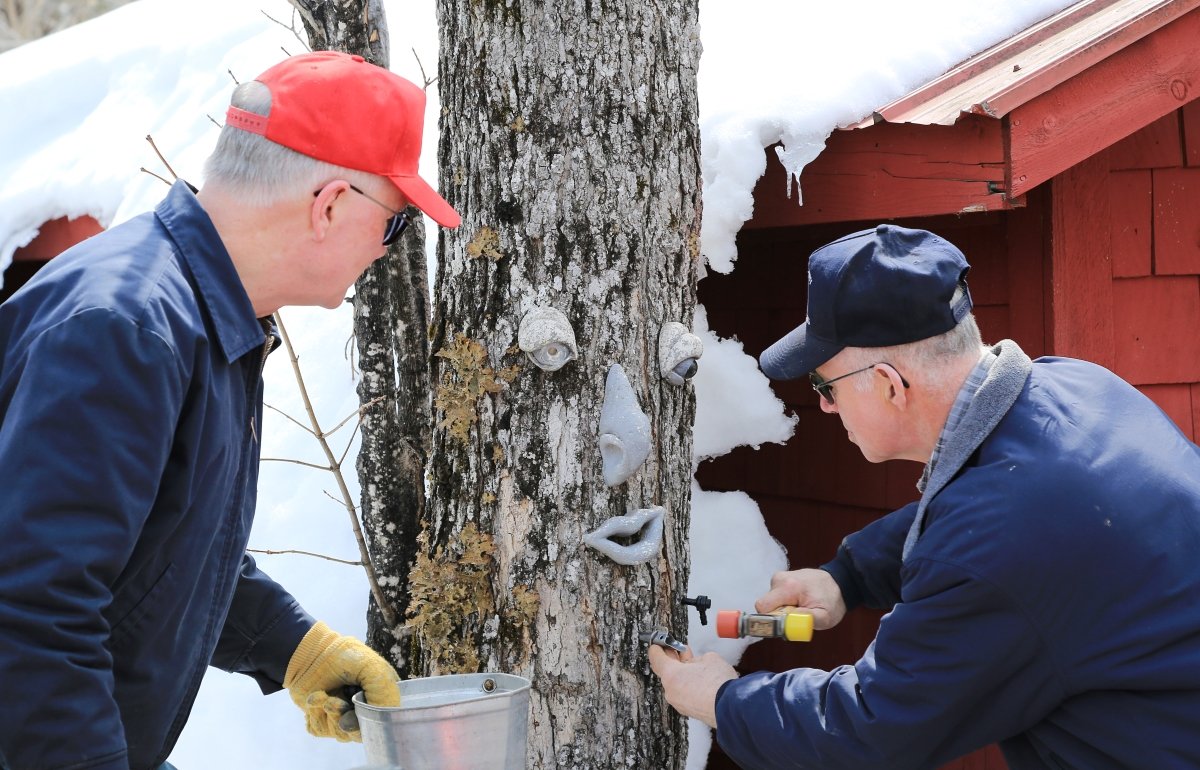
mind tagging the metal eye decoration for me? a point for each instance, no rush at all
(648, 522)
(547, 338)
(679, 352)
(624, 429)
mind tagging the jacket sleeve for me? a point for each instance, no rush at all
(89, 411)
(953, 669)
(263, 628)
(867, 564)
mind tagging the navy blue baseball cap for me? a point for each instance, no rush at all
(871, 289)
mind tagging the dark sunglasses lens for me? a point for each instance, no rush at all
(395, 228)
(824, 389)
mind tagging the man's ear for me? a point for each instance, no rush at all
(893, 386)
(321, 212)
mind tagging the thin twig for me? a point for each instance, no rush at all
(334, 499)
(428, 81)
(295, 462)
(303, 427)
(214, 120)
(356, 413)
(291, 27)
(150, 139)
(385, 607)
(349, 443)
(233, 77)
(167, 182)
(306, 553)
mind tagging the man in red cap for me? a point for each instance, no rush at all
(1042, 592)
(130, 415)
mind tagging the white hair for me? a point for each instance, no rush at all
(258, 170)
(927, 359)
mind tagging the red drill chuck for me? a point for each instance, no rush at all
(785, 623)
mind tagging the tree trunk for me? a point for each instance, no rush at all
(391, 325)
(570, 145)
(351, 26)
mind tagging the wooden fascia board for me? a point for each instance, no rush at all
(889, 171)
(925, 104)
(1104, 104)
(1106, 32)
(998, 80)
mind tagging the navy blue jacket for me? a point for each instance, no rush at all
(130, 409)
(1051, 603)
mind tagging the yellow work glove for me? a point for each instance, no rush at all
(324, 664)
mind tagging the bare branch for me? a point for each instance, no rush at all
(306, 553)
(356, 413)
(349, 443)
(428, 80)
(334, 499)
(303, 427)
(385, 607)
(291, 27)
(295, 462)
(150, 139)
(167, 182)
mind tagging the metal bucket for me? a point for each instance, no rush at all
(456, 722)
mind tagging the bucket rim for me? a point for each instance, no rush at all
(523, 685)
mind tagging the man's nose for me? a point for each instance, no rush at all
(827, 407)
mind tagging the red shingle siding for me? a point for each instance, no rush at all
(1177, 221)
(1156, 328)
(1131, 197)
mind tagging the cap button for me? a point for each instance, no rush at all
(356, 57)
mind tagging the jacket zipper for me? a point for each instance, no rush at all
(262, 365)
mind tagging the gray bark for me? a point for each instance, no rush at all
(391, 323)
(570, 144)
(391, 327)
(352, 26)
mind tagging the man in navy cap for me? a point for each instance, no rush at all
(1044, 591)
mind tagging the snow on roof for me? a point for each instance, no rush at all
(772, 71)
(1010, 73)
(790, 73)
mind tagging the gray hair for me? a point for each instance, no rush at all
(258, 170)
(926, 358)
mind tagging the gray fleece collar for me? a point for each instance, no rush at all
(1004, 382)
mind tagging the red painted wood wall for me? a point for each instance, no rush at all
(53, 238)
(1103, 263)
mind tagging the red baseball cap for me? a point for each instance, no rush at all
(343, 110)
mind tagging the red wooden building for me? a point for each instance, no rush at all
(53, 238)
(1065, 163)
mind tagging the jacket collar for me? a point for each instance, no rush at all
(220, 290)
(1003, 384)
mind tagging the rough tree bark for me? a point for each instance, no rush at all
(391, 323)
(570, 145)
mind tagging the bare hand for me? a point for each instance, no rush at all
(812, 590)
(691, 683)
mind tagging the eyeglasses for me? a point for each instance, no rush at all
(825, 387)
(396, 224)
